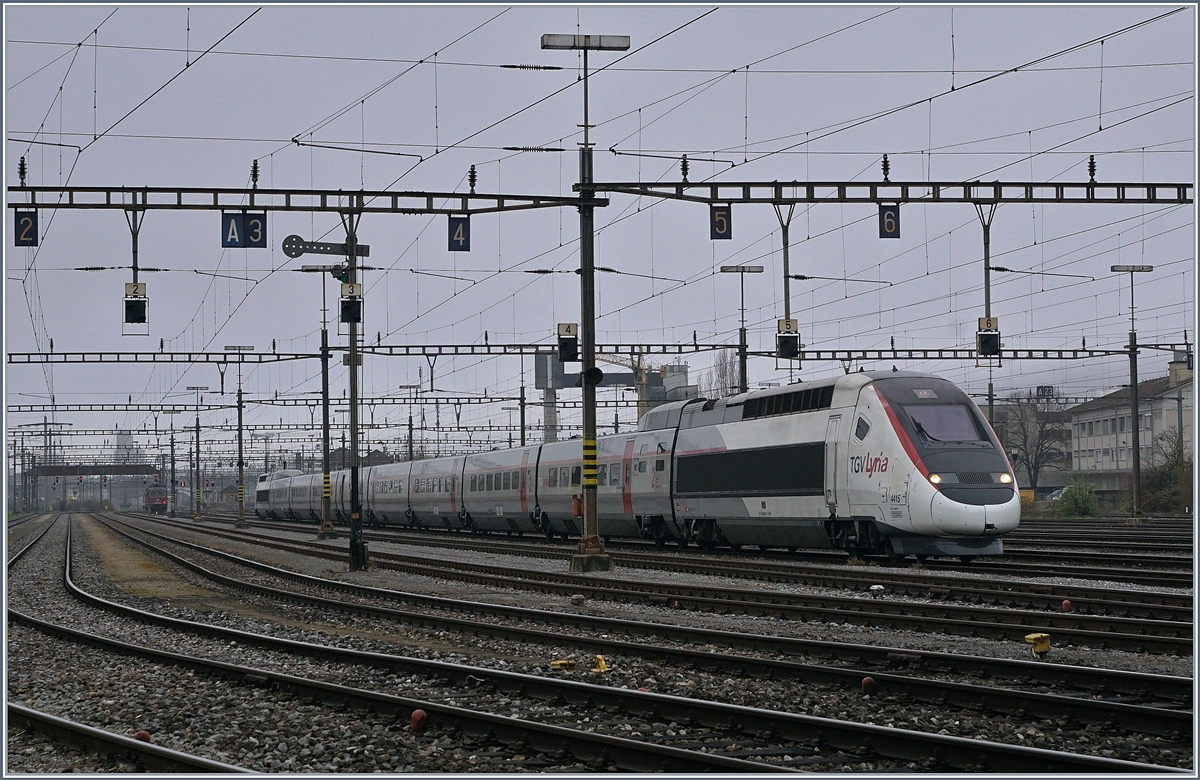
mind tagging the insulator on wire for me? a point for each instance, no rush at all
(683, 167)
(21, 171)
(254, 173)
(887, 168)
(472, 177)
(1092, 167)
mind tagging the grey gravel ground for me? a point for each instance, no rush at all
(262, 730)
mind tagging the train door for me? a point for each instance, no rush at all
(835, 472)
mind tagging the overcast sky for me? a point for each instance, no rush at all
(411, 97)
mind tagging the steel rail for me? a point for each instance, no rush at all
(1166, 688)
(628, 754)
(751, 720)
(151, 758)
(1168, 606)
(1099, 630)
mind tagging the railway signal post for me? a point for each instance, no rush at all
(196, 493)
(591, 555)
(241, 516)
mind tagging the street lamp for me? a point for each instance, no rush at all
(241, 517)
(741, 271)
(1133, 387)
(196, 494)
(591, 547)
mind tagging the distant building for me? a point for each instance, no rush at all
(1102, 429)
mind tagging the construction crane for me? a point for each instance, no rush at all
(634, 364)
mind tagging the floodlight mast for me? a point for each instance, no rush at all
(591, 555)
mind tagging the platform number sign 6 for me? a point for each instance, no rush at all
(720, 221)
(459, 236)
(25, 229)
(889, 220)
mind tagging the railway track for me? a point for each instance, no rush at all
(1149, 570)
(762, 735)
(966, 695)
(144, 756)
(1138, 634)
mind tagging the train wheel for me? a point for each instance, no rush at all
(683, 543)
(737, 548)
(922, 558)
(894, 557)
(791, 549)
(966, 558)
(660, 542)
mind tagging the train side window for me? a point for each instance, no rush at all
(862, 429)
(488, 479)
(552, 478)
(516, 480)
(506, 481)
(576, 472)
(562, 476)
(472, 483)
(602, 474)
(660, 465)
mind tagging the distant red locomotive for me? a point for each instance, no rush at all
(156, 500)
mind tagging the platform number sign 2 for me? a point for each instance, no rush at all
(25, 230)
(720, 221)
(459, 235)
(889, 220)
(244, 231)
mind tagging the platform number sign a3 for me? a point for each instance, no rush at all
(459, 236)
(720, 221)
(889, 220)
(25, 229)
(244, 231)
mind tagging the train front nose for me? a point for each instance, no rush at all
(976, 511)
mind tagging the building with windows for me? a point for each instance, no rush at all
(1102, 430)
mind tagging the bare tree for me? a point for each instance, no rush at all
(722, 380)
(1035, 433)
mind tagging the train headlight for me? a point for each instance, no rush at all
(935, 479)
(1004, 478)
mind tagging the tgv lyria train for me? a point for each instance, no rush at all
(898, 463)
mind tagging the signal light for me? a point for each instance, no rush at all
(568, 349)
(351, 310)
(987, 343)
(341, 273)
(135, 311)
(787, 346)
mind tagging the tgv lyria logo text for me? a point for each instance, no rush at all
(868, 463)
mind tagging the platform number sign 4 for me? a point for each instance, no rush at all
(243, 230)
(25, 229)
(459, 236)
(720, 221)
(889, 220)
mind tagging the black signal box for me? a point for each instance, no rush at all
(351, 311)
(787, 346)
(987, 343)
(568, 349)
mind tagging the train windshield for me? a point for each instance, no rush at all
(944, 423)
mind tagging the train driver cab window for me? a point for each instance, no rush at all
(552, 478)
(862, 429)
(576, 472)
(602, 474)
(660, 465)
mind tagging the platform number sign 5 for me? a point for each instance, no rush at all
(244, 231)
(25, 229)
(720, 221)
(889, 220)
(459, 236)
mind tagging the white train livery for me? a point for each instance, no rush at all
(898, 463)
